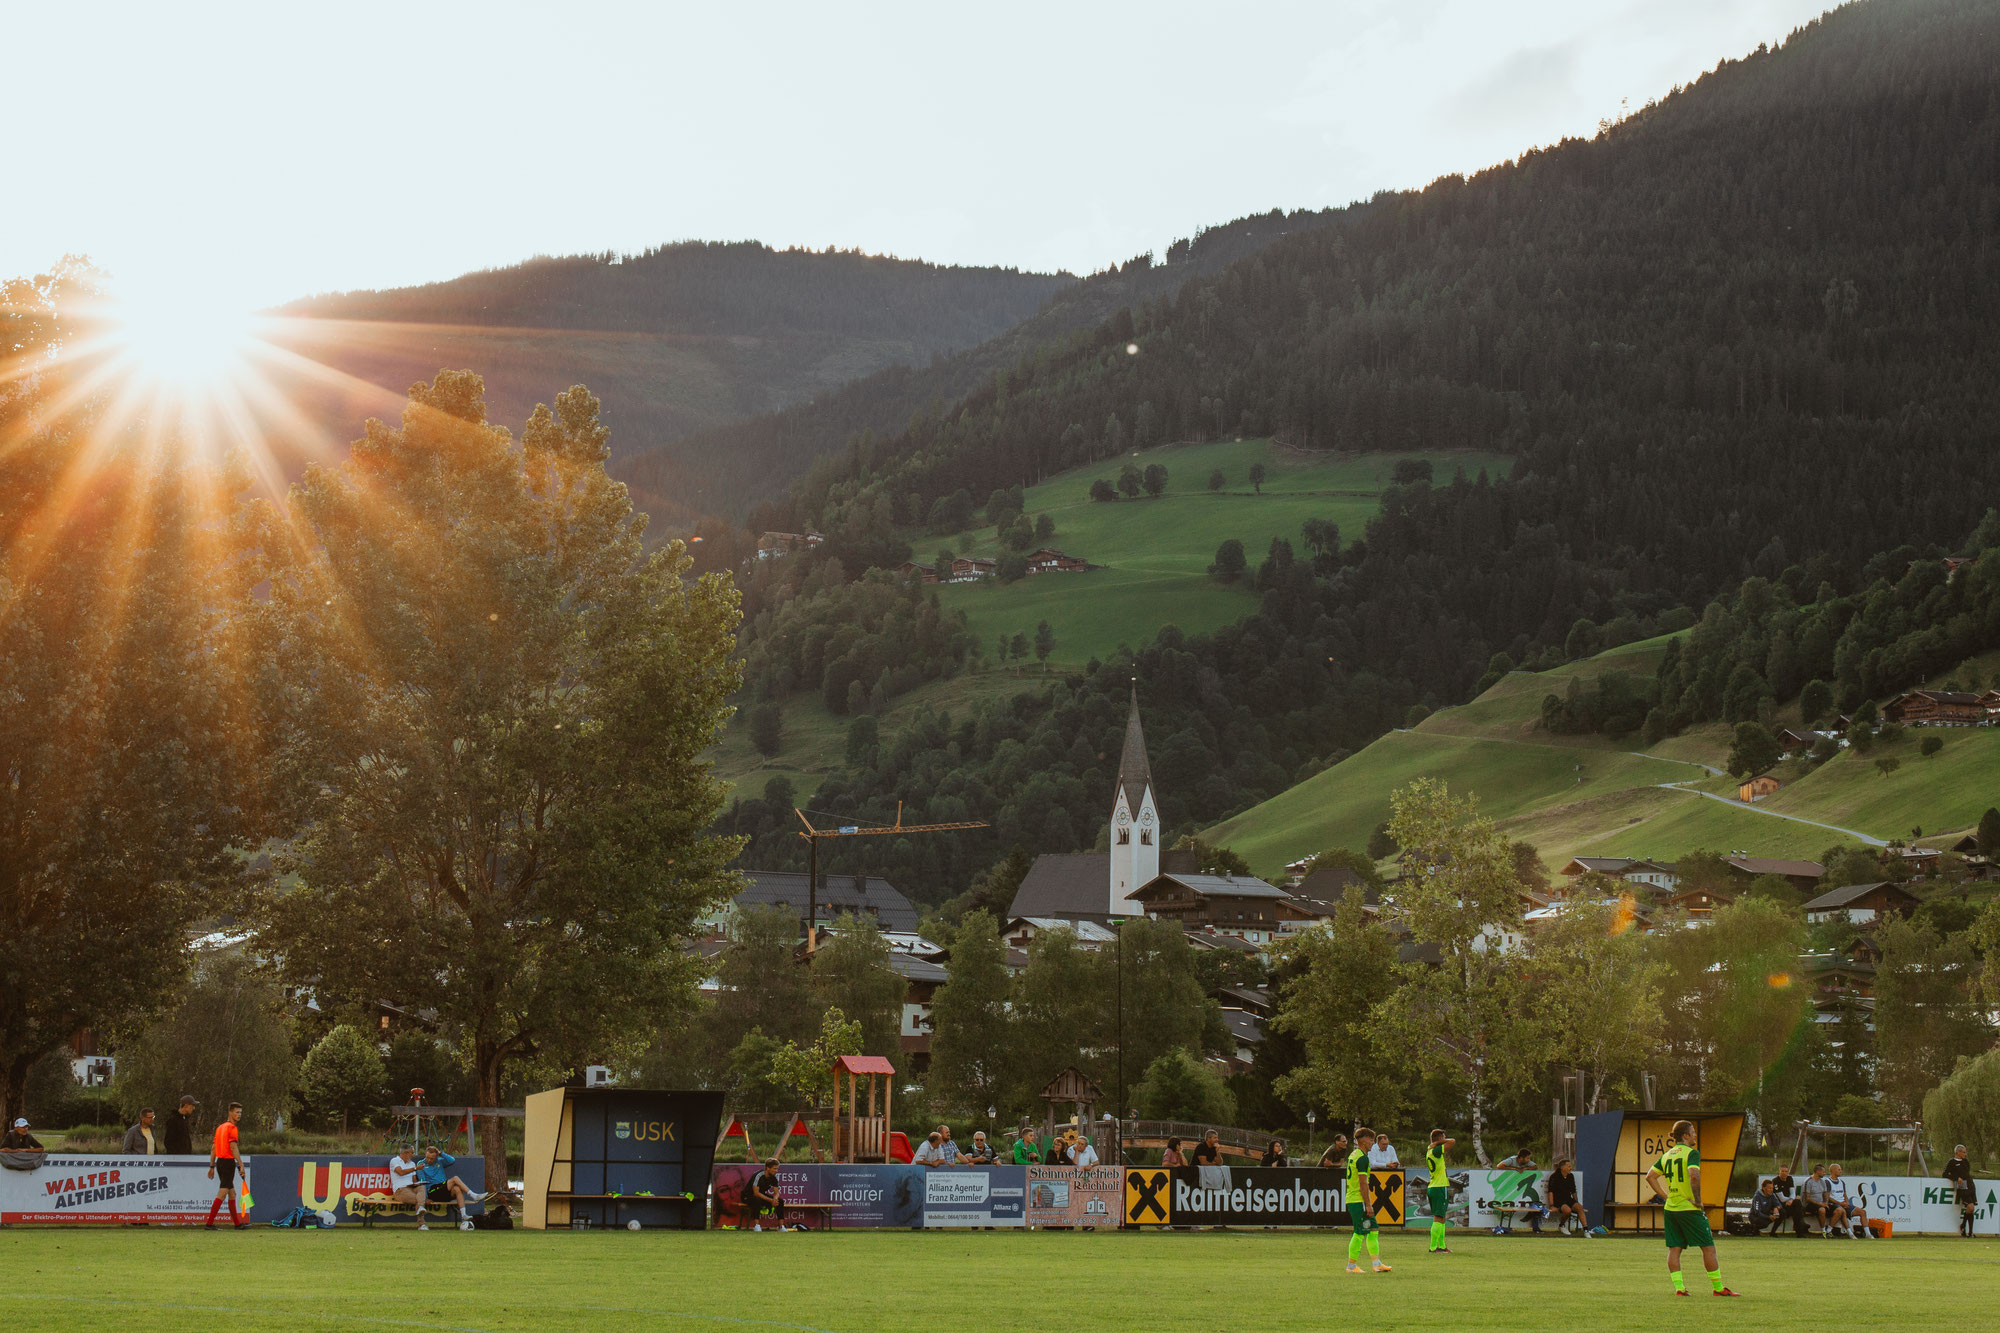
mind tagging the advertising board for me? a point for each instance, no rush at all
(112, 1188)
(1074, 1196)
(861, 1194)
(976, 1196)
(1240, 1196)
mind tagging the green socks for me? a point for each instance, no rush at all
(1715, 1279)
(1680, 1282)
(1437, 1234)
(1354, 1248)
(1375, 1244)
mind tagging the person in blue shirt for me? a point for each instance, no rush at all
(445, 1189)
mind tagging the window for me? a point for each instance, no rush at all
(1146, 837)
(1124, 837)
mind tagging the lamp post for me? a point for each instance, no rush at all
(1312, 1118)
(992, 1112)
(1118, 929)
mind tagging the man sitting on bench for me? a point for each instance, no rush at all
(405, 1185)
(438, 1188)
(763, 1197)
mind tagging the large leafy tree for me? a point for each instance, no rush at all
(1927, 1013)
(126, 736)
(851, 972)
(1329, 1004)
(972, 1033)
(1599, 994)
(1467, 1016)
(497, 705)
(1741, 1030)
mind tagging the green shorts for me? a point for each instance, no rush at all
(1357, 1217)
(1687, 1229)
(1439, 1198)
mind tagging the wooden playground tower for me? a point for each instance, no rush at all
(862, 1136)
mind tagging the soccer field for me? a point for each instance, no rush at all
(861, 1282)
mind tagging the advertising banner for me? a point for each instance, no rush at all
(1918, 1204)
(1458, 1199)
(976, 1196)
(1509, 1198)
(1218, 1196)
(1074, 1196)
(861, 1195)
(115, 1188)
(109, 1188)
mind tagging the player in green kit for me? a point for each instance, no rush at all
(1677, 1175)
(1440, 1188)
(1357, 1206)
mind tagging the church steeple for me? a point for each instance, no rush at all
(1135, 820)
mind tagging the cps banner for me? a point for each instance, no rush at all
(1919, 1204)
(1074, 1196)
(1242, 1196)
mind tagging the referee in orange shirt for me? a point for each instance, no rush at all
(224, 1161)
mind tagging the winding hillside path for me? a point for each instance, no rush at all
(1868, 838)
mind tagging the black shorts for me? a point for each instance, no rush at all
(438, 1193)
(225, 1172)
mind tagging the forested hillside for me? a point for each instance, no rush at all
(1742, 330)
(673, 341)
(731, 467)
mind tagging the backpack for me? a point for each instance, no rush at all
(300, 1216)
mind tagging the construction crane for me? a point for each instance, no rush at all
(813, 835)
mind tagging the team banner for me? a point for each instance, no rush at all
(1218, 1196)
(1074, 1196)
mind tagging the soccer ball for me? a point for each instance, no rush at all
(326, 1219)
(632, 1225)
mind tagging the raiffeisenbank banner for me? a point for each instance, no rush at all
(1259, 1196)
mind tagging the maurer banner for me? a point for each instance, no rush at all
(1074, 1196)
(860, 1195)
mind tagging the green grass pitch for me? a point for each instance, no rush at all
(879, 1282)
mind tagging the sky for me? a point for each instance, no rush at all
(270, 151)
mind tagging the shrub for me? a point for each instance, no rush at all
(1179, 1086)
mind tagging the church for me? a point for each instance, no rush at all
(1098, 886)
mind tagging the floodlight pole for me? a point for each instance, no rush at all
(1118, 929)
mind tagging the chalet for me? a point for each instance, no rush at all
(1838, 977)
(1206, 938)
(772, 545)
(1923, 860)
(1990, 702)
(970, 569)
(1862, 904)
(1048, 560)
(921, 979)
(911, 569)
(864, 896)
(1319, 895)
(1021, 931)
(1246, 1034)
(1659, 875)
(1235, 904)
(1757, 788)
(1935, 708)
(1698, 903)
(1804, 875)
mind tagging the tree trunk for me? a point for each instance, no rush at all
(1479, 1122)
(492, 1137)
(14, 1098)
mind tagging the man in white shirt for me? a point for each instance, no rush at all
(1382, 1157)
(1850, 1201)
(403, 1184)
(928, 1154)
(1083, 1154)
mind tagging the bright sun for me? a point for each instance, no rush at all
(181, 337)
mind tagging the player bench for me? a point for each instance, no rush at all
(371, 1208)
(1517, 1210)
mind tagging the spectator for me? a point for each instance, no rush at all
(1082, 1152)
(1335, 1156)
(440, 1188)
(1273, 1155)
(1172, 1156)
(406, 1187)
(139, 1139)
(1816, 1201)
(930, 1153)
(1520, 1161)
(1767, 1208)
(1959, 1172)
(1562, 1199)
(1026, 1151)
(18, 1139)
(224, 1161)
(1787, 1189)
(1209, 1151)
(947, 1146)
(1853, 1207)
(180, 1128)
(1382, 1157)
(981, 1153)
(764, 1197)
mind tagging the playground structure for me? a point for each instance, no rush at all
(862, 1136)
(1916, 1162)
(422, 1126)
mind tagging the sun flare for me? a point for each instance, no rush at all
(182, 338)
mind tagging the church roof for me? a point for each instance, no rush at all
(1134, 773)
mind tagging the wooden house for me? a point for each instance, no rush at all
(1048, 560)
(1657, 875)
(772, 545)
(1803, 875)
(965, 569)
(1935, 708)
(1862, 904)
(1757, 788)
(1235, 904)
(911, 569)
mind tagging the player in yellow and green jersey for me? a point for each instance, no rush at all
(1440, 1189)
(1357, 1206)
(1677, 1175)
